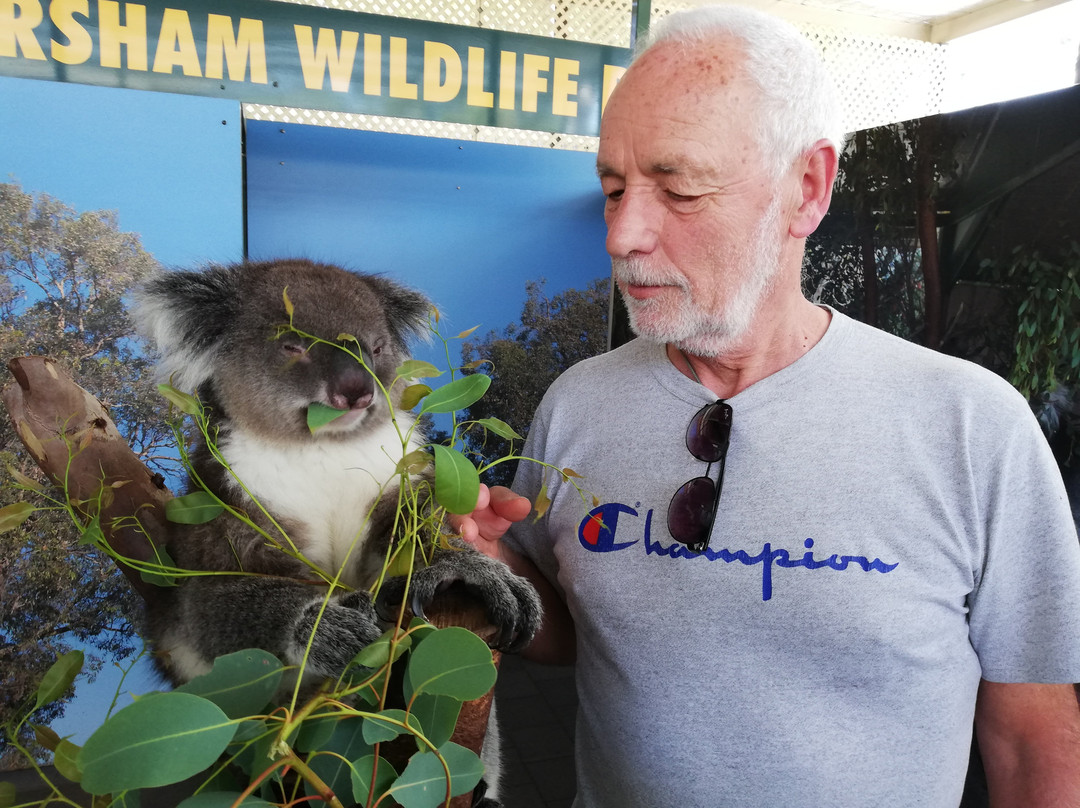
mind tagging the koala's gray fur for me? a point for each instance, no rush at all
(218, 332)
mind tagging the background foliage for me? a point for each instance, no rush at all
(63, 275)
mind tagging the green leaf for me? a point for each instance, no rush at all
(457, 395)
(500, 428)
(423, 783)
(223, 799)
(319, 415)
(159, 577)
(385, 726)
(196, 508)
(417, 369)
(331, 763)
(241, 683)
(58, 678)
(92, 534)
(315, 732)
(7, 795)
(437, 715)
(450, 662)
(187, 404)
(412, 395)
(66, 761)
(160, 739)
(414, 462)
(385, 775)
(376, 654)
(13, 515)
(457, 483)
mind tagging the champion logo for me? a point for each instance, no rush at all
(597, 532)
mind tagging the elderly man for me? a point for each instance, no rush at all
(820, 551)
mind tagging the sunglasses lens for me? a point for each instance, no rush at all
(709, 432)
(690, 513)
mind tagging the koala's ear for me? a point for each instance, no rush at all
(185, 316)
(406, 311)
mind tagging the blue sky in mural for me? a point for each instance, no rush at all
(467, 223)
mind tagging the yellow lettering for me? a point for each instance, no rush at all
(436, 56)
(507, 79)
(223, 46)
(475, 94)
(112, 34)
(562, 87)
(80, 46)
(372, 64)
(176, 44)
(612, 74)
(400, 86)
(17, 29)
(316, 60)
(532, 83)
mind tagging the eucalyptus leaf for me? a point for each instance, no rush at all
(423, 783)
(158, 740)
(376, 654)
(158, 577)
(437, 715)
(385, 775)
(65, 761)
(500, 428)
(386, 725)
(417, 369)
(13, 515)
(241, 683)
(187, 404)
(196, 508)
(412, 395)
(331, 763)
(319, 415)
(450, 662)
(457, 395)
(92, 535)
(58, 678)
(457, 483)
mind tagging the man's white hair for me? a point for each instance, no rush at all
(798, 102)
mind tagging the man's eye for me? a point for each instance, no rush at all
(615, 195)
(674, 197)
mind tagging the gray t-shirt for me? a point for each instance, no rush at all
(892, 528)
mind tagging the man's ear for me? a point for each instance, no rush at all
(819, 164)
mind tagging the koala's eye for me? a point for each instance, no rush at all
(377, 348)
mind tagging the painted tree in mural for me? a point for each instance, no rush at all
(63, 275)
(525, 357)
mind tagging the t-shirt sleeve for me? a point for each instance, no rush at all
(1024, 617)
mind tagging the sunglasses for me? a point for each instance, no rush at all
(693, 507)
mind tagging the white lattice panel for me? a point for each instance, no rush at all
(880, 79)
(601, 22)
(413, 126)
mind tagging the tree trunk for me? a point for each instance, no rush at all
(864, 226)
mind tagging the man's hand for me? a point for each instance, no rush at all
(496, 509)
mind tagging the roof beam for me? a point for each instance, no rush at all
(865, 24)
(987, 17)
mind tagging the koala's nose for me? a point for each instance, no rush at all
(350, 386)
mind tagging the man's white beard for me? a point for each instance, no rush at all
(690, 327)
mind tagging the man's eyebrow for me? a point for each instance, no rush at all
(604, 170)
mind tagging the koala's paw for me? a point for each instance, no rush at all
(347, 625)
(510, 601)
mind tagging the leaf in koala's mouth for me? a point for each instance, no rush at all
(319, 415)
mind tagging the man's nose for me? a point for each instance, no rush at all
(633, 224)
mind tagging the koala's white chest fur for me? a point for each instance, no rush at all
(328, 487)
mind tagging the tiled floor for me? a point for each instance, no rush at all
(536, 707)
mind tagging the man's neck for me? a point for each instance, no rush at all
(772, 343)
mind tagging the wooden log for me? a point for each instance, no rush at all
(71, 437)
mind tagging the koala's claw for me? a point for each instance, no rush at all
(510, 602)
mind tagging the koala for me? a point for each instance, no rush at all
(219, 331)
